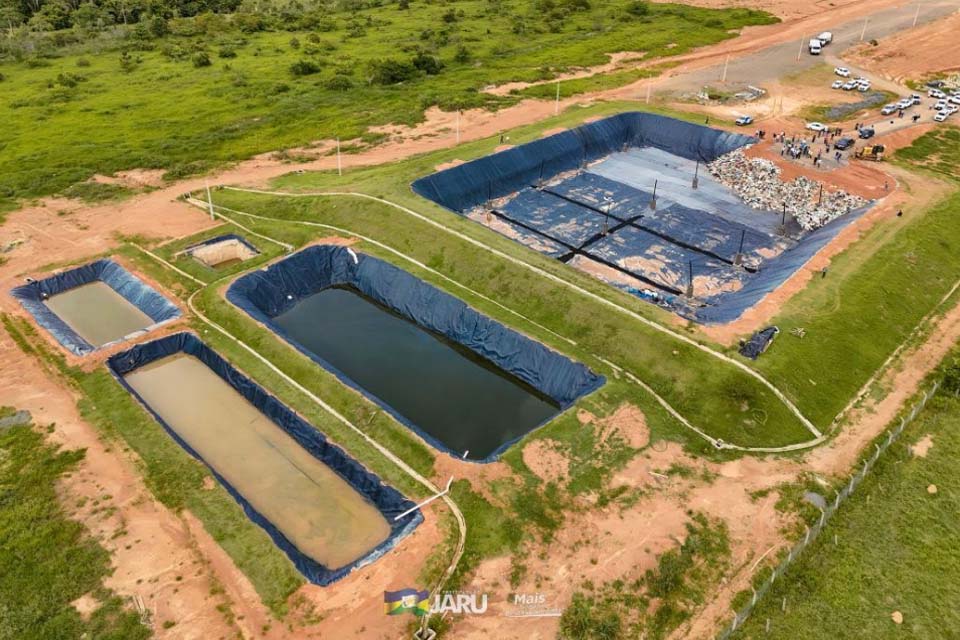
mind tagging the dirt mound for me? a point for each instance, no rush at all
(630, 422)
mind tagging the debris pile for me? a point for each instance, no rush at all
(758, 183)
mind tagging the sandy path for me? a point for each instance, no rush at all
(914, 53)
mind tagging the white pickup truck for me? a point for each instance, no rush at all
(817, 44)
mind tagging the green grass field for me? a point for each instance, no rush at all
(47, 559)
(895, 549)
(79, 113)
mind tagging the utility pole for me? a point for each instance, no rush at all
(458, 126)
(800, 53)
(916, 16)
(556, 104)
(863, 32)
(726, 64)
(339, 165)
(649, 85)
(696, 175)
(210, 203)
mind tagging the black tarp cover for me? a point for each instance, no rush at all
(388, 500)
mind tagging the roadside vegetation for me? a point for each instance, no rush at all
(885, 567)
(48, 560)
(104, 86)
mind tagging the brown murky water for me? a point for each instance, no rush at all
(322, 515)
(98, 313)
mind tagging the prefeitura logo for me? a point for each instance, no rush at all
(406, 601)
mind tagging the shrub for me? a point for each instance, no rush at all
(463, 55)
(83, 62)
(227, 52)
(389, 71)
(639, 8)
(304, 68)
(201, 59)
(428, 64)
(339, 83)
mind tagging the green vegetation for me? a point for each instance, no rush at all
(654, 604)
(47, 559)
(888, 549)
(186, 93)
(937, 151)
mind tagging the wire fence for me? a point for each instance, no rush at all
(826, 514)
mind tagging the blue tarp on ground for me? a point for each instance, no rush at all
(270, 292)
(388, 500)
(703, 226)
(133, 290)
(473, 183)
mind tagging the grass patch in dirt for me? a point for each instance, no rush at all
(653, 604)
(47, 559)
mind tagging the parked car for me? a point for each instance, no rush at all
(837, 84)
(849, 85)
(863, 86)
(954, 99)
(915, 98)
(888, 109)
(843, 72)
(936, 93)
(743, 121)
(867, 133)
(951, 109)
(843, 143)
(940, 105)
(816, 126)
(906, 103)
(941, 116)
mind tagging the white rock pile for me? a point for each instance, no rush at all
(758, 183)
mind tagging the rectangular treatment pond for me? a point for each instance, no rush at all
(94, 305)
(460, 380)
(322, 508)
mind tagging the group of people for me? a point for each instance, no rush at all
(798, 148)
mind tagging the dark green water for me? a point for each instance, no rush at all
(445, 390)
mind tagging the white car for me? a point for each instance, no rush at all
(816, 126)
(837, 84)
(843, 72)
(906, 103)
(936, 93)
(955, 99)
(941, 105)
(941, 116)
(915, 98)
(863, 86)
(888, 109)
(849, 85)
(950, 110)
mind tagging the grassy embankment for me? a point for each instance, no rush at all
(87, 114)
(889, 549)
(47, 559)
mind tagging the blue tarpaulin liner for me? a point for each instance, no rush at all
(133, 290)
(548, 196)
(270, 292)
(388, 500)
(473, 183)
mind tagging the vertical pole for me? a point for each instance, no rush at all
(800, 53)
(690, 281)
(339, 163)
(653, 200)
(783, 221)
(916, 16)
(649, 85)
(743, 234)
(696, 174)
(556, 105)
(863, 32)
(820, 201)
(458, 126)
(726, 64)
(210, 202)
